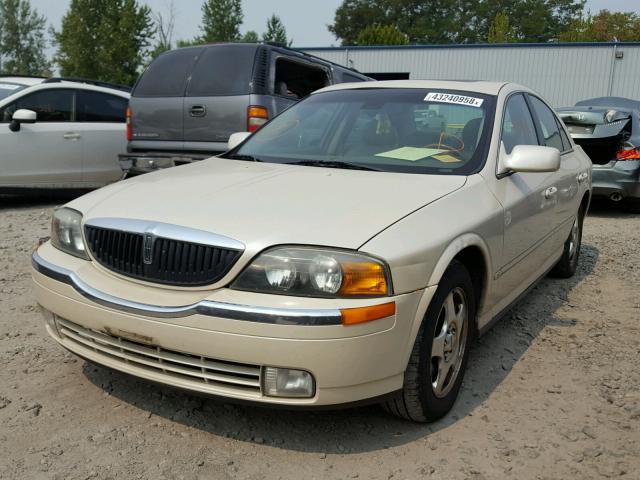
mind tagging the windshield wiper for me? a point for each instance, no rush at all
(333, 164)
(248, 158)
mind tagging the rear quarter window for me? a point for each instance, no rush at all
(167, 74)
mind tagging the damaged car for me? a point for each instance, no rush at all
(608, 130)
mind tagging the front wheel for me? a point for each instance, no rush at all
(439, 356)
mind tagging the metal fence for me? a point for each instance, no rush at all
(562, 72)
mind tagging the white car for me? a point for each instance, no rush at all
(345, 252)
(56, 133)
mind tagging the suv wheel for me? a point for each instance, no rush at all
(439, 357)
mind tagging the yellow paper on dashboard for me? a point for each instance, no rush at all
(411, 154)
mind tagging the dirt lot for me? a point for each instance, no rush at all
(553, 392)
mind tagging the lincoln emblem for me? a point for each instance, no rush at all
(147, 249)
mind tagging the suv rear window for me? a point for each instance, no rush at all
(167, 74)
(223, 70)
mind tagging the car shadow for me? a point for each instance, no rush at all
(363, 429)
(37, 199)
(601, 208)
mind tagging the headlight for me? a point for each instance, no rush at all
(66, 232)
(314, 272)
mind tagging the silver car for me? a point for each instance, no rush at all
(608, 129)
(348, 251)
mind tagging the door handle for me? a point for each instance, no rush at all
(71, 136)
(198, 111)
(550, 192)
(582, 177)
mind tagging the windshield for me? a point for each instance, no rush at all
(7, 89)
(396, 130)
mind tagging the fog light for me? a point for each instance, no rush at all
(285, 382)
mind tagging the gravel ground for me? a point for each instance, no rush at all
(552, 392)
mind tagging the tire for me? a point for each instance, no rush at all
(423, 399)
(631, 205)
(568, 263)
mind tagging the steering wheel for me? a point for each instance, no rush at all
(444, 145)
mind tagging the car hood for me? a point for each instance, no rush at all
(263, 204)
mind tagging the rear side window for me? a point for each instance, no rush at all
(55, 105)
(223, 70)
(167, 74)
(99, 107)
(517, 125)
(563, 134)
(547, 124)
(296, 80)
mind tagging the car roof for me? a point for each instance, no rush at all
(76, 85)
(487, 88)
(20, 80)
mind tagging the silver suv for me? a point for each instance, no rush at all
(189, 101)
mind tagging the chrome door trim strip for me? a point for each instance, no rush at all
(166, 230)
(278, 316)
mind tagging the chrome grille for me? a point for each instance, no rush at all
(158, 259)
(171, 363)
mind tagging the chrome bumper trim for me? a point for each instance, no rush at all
(279, 316)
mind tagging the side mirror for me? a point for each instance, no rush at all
(529, 158)
(236, 139)
(22, 116)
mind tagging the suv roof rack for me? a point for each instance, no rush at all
(300, 52)
(5, 75)
(88, 81)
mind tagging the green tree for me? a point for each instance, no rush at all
(382, 35)
(22, 39)
(164, 25)
(456, 21)
(605, 26)
(221, 20)
(251, 37)
(275, 31)
(500, 30)
(105, 39)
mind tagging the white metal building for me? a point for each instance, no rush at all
(562, 72)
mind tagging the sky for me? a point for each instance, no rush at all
(305, 20)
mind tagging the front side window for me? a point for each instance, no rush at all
(55, 105)
(396, 130)
(100, 107)
(547, 124)
(517, 125)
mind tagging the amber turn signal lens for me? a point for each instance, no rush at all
(353, 316)
(363, 279)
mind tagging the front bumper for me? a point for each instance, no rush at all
(220, 344)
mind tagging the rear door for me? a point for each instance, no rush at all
(47, 153)
(217, 96)
(157, 102)
(100, 118)
(552, 134)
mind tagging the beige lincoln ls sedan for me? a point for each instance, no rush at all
(350, 250)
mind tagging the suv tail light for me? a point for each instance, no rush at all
(256, 117)
(129, 131)
(628, 154)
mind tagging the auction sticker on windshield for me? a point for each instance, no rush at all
(452, 98)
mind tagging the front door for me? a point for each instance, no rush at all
(529, 201)
(48, 153)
